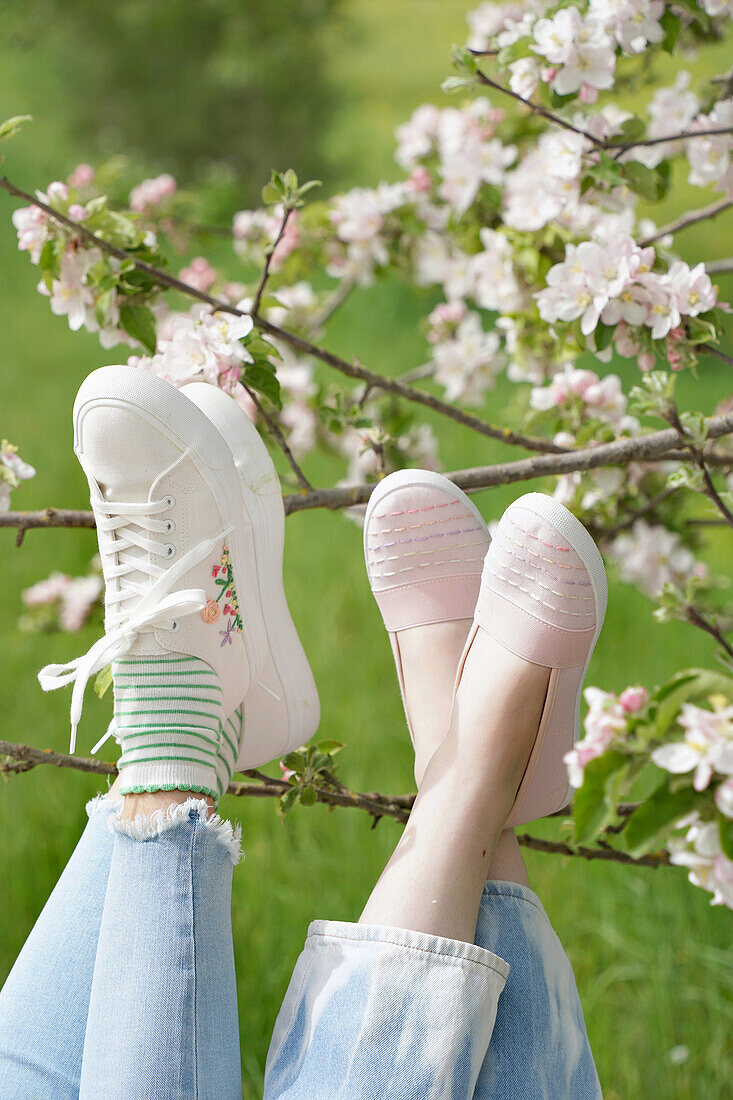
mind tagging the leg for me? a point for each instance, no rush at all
(366, 1019)
(164, 970)
(45, 1000)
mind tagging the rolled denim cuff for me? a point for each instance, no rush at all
(369, 1005)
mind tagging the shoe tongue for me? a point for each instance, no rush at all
(123, 453)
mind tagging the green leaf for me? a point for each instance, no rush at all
(454, 84)
(671, 26)
(308, 796)
(10, 127)
(603, 334)
(263, 379)
(700, 331)
(633, 128)
(139, 323)
(289, 800)
(693, 685)
(295, 761)
(103, 681)
(648, 826)
(594, 804)
(330, 748)
(725, 825)
(643, 181)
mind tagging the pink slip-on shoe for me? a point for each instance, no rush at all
(543, 597)
(424, 547)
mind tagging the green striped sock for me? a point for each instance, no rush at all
(168, 718)
(226, 760)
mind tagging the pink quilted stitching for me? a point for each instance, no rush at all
(426, 538)
(416, 526)
(519, 557)
(551, 545)
(409, 511)
(538, 599)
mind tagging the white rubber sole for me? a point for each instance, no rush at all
(406, 479)
(573, 531)
(261, 497)
(178, 420)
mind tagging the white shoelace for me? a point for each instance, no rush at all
(154, 603)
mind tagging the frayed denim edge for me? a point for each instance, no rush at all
(149, 826)
(102, 802)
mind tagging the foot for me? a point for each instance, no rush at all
(424, 545)
(182, 616)
(537, 619)
(281, 711)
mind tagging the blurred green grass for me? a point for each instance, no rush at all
(651, 957)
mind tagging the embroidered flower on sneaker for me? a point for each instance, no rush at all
(223, 576)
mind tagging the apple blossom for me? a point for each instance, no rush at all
(199, 274)
(151, 192)
(467, 364)
(707, 746)
(81, 176)
(633, 699)
(709, 868)
(13, 470)
(605, 721)
(650, 556)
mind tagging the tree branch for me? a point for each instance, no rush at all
(654, 447)
(704, 213)
(334, 361)
(24, 758)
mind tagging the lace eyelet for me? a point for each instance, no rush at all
(174, 627)
(169, 501)
(169, 526)
(170, 550)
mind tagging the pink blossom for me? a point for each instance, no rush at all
(31, 224)
(420, 179)
(46, 591)
(286, 772)
(152, 192)
(651, 556)
(633, 699)
(77, 212)
(82, 175)
(606, 720)
(199, 274)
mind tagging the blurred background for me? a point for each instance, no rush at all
(220, 91)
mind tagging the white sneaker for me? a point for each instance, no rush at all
(281, 710)
(183, 621)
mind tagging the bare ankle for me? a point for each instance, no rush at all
(149, 802)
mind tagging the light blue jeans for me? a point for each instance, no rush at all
(125, 989)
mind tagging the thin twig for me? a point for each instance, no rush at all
(24, 758)
(276, 431)
(599, 531)
(672, 415)
(394, 385)
(683, 135)
(698, 618)
(333, 303)
(704, 213)
(719, 267)
(536, 109)
(268, 260)
(712, 350)
(352, 370)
